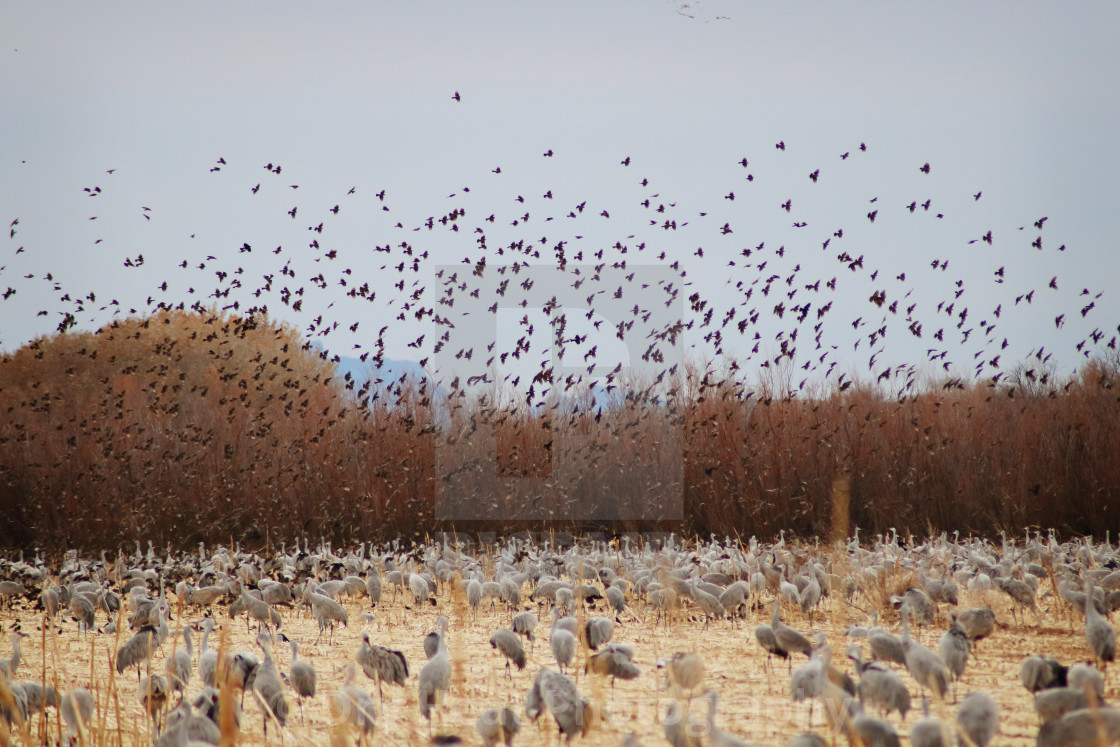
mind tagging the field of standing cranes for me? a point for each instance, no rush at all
(755, 703)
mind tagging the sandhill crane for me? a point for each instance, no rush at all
(421, 590)
(435, 677)
(978, 718)
(268, 686)
(259, 610)
(276, 593)
(1088, 679)
(680, 730)
(354, 705)
(37, 697)
(498, 725)
(1088, 727)
(431, 641)
(137, 650)
(373, 587)
(77, 710)
(8, 666)
(474, 595)
(524, 623)
(764, 634)
(1021, 593)
(808, 680)
(599, 631)
(810, 597)
(978, 624)
(327, 612)
(13, 705)
(560, 696)
(664, 601)
(509, 644)
(716, 736)
(1098, 633)
(562, 639)
(879, 686)
(925, 666)
(953, 648)
(153, 693)
(301, 675)
(181, 664)
(382, 664)
(930, 731)
(919, 604)
(708, 603)
(789, 640)
(185, 727)
(616, 598)
(1042, 672)
(1058, 701)
(875, 733)
(685, 671)
(615, 661)
(208, 658)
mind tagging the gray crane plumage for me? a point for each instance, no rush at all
(717, 737)
(558, 694)
(382, 664)
(925, 666)
(435, 676)
(978, 718)
(268, 685)
(880, 686)
(1098, 633)
(181, 664)
(509, 644)
(1082, 728)
(496, 726)
(301, 676)
(954, 650)
(354, 704)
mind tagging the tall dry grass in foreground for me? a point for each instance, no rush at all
(182, 427)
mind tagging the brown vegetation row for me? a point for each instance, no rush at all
(185, 427)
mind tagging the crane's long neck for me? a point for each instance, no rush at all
(14, 661)
(187, 640)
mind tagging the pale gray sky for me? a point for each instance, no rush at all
(1018, 100)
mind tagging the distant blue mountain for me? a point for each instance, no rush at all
(389, 373)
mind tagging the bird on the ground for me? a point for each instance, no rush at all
(614, 660)
(497, 726)
(509, 645)
(978, 718)
(354, 705)
(268, 686)
(381, 664)
(301, 675)
(435, 677)
(558, 694)
(879, 686)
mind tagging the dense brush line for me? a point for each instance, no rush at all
(190, 427)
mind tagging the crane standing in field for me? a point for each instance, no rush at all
(382, 664)
(435, 677)
(301, 675)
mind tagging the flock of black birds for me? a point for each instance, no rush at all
(775, 310)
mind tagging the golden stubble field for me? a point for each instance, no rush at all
(755, 702)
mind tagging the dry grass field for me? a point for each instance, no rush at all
(755, 701)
